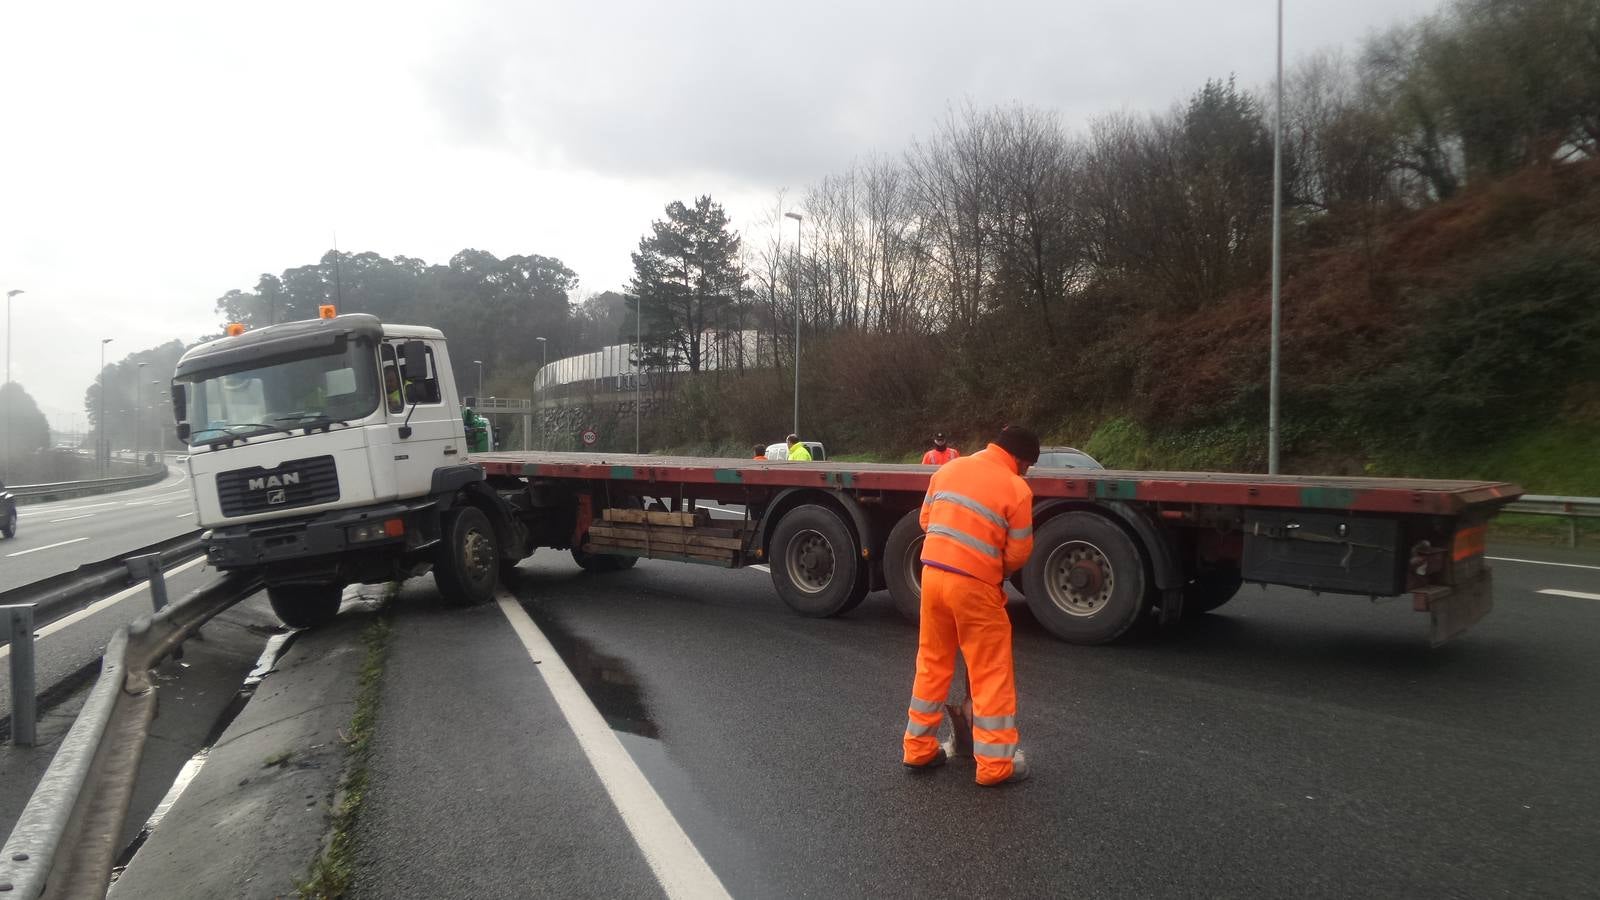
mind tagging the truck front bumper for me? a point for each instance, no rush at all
(324, 535)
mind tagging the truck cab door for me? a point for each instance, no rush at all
(425, 431)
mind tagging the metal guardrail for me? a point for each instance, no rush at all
(52, 596)
(1570, 508)
(62, 490)
(65, 841)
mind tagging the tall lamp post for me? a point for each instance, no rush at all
(138, 407)
(799, 228)
(8, 441)
(478, 398)
(1277, 253)
(103, 444)
(544, 379)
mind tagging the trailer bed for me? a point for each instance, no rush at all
(1379, 495)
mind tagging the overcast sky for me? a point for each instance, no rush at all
(155, 155)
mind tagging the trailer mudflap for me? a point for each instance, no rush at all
(1452, 610)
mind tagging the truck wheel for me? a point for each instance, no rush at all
(468, 566)
(1210, 590)
(816, 565)
(602, 562)
(902, 566)
(305, 605)
(9, 527)
(1085, 581)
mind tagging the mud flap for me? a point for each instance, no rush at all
(1454, 610)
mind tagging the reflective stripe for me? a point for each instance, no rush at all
(961, 537)
(1017, 534)
(917, 729)
(1003, 751)
(994, 723)
(926, 706)
(966, 502)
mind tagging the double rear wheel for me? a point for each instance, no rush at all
(816, 561)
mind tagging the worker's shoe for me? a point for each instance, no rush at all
(1019, 771)
(938, 760)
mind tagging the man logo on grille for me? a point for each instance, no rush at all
(276, 497)
(271, 481)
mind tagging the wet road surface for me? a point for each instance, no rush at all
(1288, 744)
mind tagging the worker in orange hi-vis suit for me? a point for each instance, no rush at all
(978, 516)
(941, 452)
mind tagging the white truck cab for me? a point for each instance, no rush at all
(332, 451)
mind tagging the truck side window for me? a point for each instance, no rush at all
(392, 390)
(430, 386)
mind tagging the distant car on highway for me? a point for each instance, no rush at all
(1066, 458)
(8, 512)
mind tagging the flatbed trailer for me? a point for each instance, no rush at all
(1111, 549)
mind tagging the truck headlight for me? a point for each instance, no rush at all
(375, 531)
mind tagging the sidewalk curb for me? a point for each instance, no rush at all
(257, 814)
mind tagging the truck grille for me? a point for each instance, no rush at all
(298, 482)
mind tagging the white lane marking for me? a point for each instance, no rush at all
(1576, 595)
(69, 519)
(674, 859)
(45, 547)
(763, 567)
(1540, 562)
(51, 512)
(98, 605)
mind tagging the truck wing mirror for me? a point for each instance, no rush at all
(180, 403)
(183, 432)
(415, 367)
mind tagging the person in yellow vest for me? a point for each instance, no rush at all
(797, 450)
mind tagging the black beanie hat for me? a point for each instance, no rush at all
(1019, 442)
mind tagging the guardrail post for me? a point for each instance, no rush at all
(148, 567)
(24, 697)
(1572, 532)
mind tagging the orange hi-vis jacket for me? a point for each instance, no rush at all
(937, 457)
(978, 516)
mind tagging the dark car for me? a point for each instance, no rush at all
(1065, 458)
(8, 512)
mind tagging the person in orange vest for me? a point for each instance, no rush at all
(941, 452)
(978, 515)
(761, 452)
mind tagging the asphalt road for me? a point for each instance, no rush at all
(57, 537)
(1287, 745)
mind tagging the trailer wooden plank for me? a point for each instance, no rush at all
(661, 551)
(683, 537)
(657, 517)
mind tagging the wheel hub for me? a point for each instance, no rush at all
(1079, 578)
(810, 561)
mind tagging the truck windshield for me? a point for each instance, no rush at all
(327, 385)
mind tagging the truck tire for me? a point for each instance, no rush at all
(9, 526)
(602, 562)
(1085, 581)
(305, 605)
(816, 563)
(1210, 590)
(467, 568)
(902, 566)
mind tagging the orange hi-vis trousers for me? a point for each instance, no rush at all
(964, 613)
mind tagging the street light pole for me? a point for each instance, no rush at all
(6, 449)
(138, 404)
(104, 453)
(1277, 253)
(479, 396)
(638, 366)
(544, 381)
(799, 239)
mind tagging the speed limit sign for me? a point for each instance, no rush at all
(589, 437)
